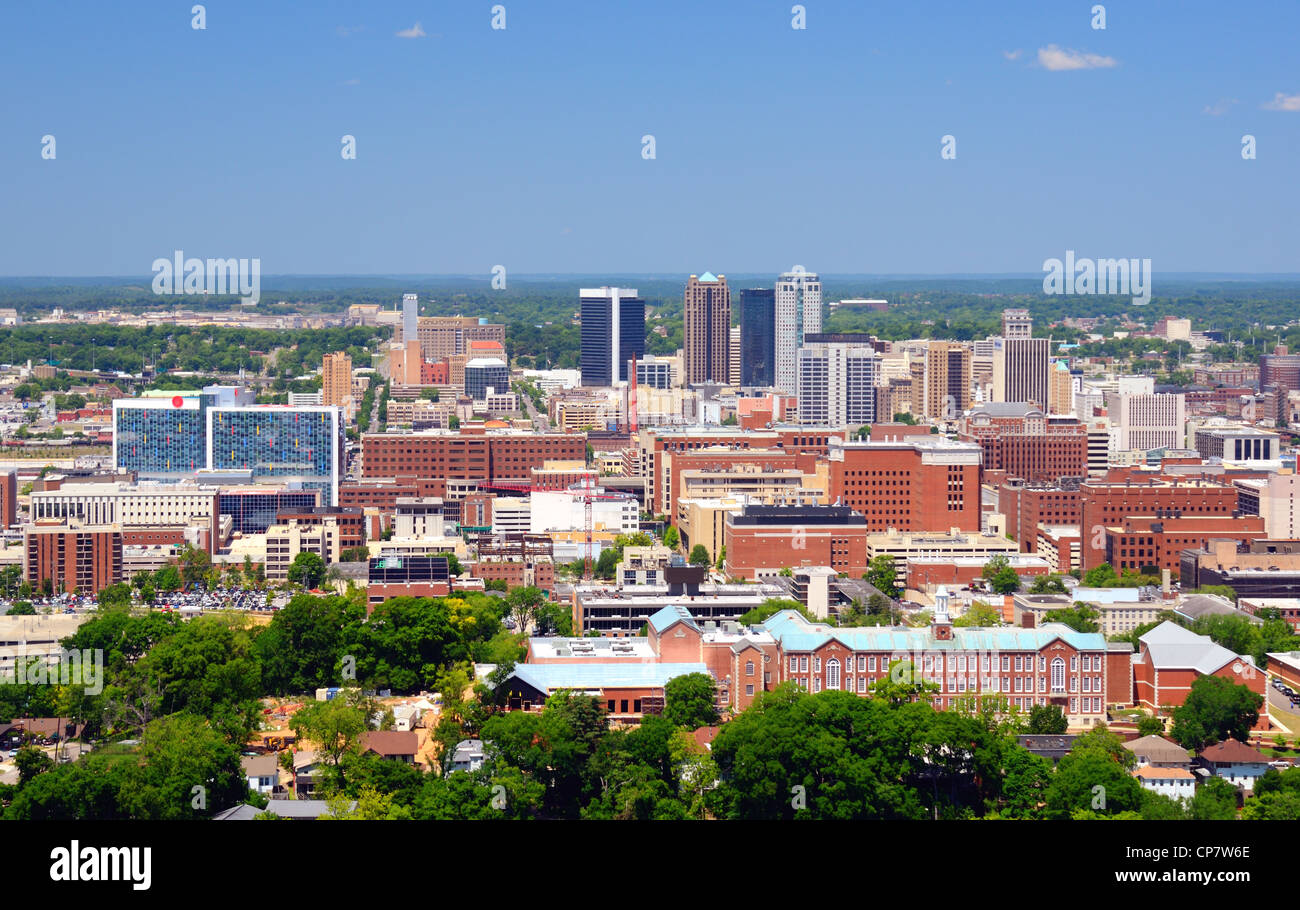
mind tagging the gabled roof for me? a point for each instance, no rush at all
(260, 766)
(1158, 749)
(391, 742)
(1170, 645)
(669, 616)
(1232, 751)
(284, 808)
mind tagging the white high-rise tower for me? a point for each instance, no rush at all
(798, 313)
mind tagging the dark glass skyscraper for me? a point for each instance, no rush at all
(613, 332)
(757, 337)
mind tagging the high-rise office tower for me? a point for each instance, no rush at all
(758, 337)
(410, 316)
(733, 359)
(336, 380)
(1020, 365)
(838, 374)
(798, 314)
(613, 332)
(948, 371)
(708, 329)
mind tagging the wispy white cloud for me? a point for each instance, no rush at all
(1012, 55)
(1220, 107)
(1283, 102)
(346, 31)
(415, 31)
(1057, 58)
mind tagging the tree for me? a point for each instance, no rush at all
(523, 604)
(1215, 709)
(30, 762)
(699, 555)
(1214, 800)
(771, 607)
(115, 596)
(335, 727)
(691, 700)
(881, 575)
(1047, 719)
(1102, 576)
(671, 538)
(308, 570)
(168, 578)
(350, 554)
(1081, 617)
(1150, 726)
(979, 614)
(1047, 584)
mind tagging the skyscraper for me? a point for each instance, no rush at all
(708, 329)
(948, 366)
(757, 337)
(838, 374)
(336, 381)
(613, 332)
(410, 316)
(798, 313)
(1020, 366)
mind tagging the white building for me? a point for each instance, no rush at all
(798, 313)
(510, 515)
(1143, 422)
(837, 383)
(565, 510)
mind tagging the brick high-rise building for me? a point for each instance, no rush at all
(916, 484)
(443, 337)
(336, 380)
(1149, 543)
(9, 498)
(1105, 503)
(1281, 369)
(763, 540)
(1025, 442)
(1026, 506)
(947, 392)
(84, 559)
(707, 339)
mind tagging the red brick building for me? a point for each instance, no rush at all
(83, 559)
(1109, 503)
(763, 540)
(440, 456)
(1143, 542)
(1026, 506)
(918, 484)
(1027, 443)
(1171, 658)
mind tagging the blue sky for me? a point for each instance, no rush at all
(774, 146)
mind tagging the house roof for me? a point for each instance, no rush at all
(390, 742)
(284, 808)
(669, 616)
(467, 749)
(261, 766)
(1158, 749)
(1149, 772)
(552, 677)
(1170, 645)
(1232, 751)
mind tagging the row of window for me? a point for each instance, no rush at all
(798, 663)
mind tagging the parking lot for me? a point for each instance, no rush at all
(239, 599)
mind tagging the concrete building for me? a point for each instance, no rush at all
(1021, 363)
(837, 376)
(798, 313)
(1144, 422)
(285, 541)
(949, 388)
(336, 381)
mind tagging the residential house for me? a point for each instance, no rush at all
(400, 745)
(1236, 762)
(263, 773)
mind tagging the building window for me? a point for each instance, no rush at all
(803, 664)
(862, 684)
(1058, 675)
(794, 663)
(749, 689)
(832, 674)
(749, 668)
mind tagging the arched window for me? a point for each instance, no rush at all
(833, 673)
(1058, 675)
